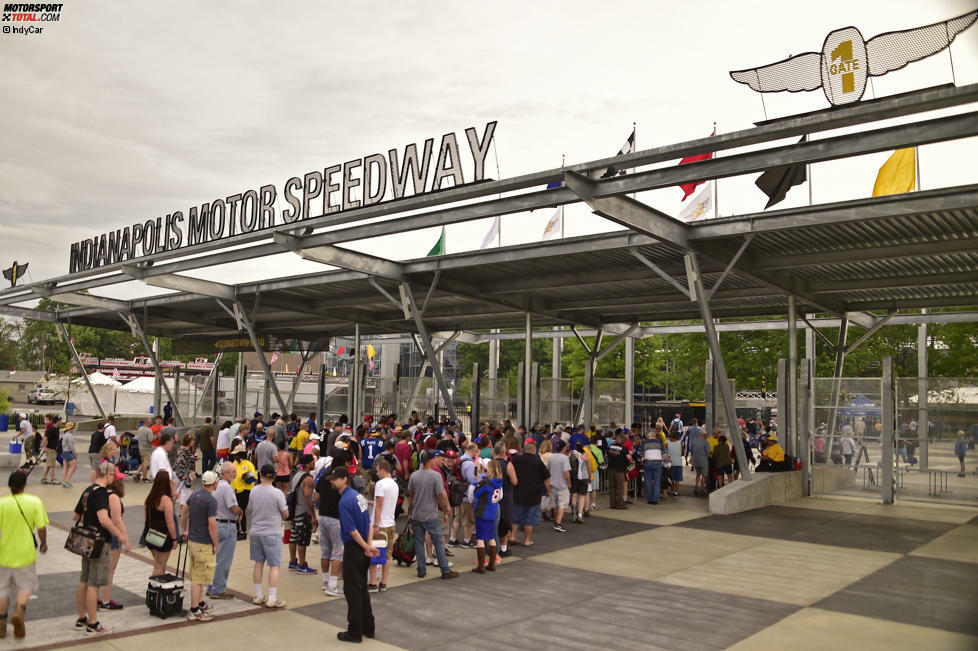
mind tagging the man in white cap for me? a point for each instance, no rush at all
(24, 428)
(110, 432)
(228, 515)
(198, 520)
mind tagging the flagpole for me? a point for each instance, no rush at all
(634, 145)
(716, 187)
(808, 171)
(916, 164)
(561, 207)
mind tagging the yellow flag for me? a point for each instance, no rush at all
(898, 173)
(286, 368)
(371, 351)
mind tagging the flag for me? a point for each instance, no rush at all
(286, 368)
(15, 272)
(898, 173)
(701, 206)
(555, 227)
(776, 181)
(439, 247)
(370, 366)
(116, 374)
(371, 351)
(555, 184)
(274, 357)
(627, 148)
(340, 350)
(492, 237)
(689, 188)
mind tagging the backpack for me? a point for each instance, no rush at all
(458, 488)
(292, 499)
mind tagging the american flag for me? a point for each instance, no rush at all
(115, 374)
(371, 366)
(274, 357)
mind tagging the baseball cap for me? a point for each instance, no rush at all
(239, 449)
(208, 478)
(305, 458)
(451, 454)
(268, 470)
(315, 437)
(257, 414)
(340, 473)
(22, 415)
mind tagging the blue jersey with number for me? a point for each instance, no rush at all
(487, 495)
(371, 447)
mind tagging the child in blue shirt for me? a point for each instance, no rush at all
(487, 494)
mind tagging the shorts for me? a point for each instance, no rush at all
(579, 486)
(464, 514)
(282, 479)
(391, 534)
(115, 544)
(266, 549)
(485, 530)
(505, 518)
(95, 571)
(725, 470)
(330, 543)
(676, 473)
(203, 562)
(595, 484)
(559, 498)
(700, 471)
(18, 579)
(526, 515)
(50, 458)
(301, 530)
(68, 457)
(961, 458)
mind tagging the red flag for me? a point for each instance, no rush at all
(340, 350)
(274, 357)
(689, 188)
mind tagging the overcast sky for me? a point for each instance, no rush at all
(122, 112)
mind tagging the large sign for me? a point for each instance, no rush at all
(242, 344)
(337, 188)
(846, 60)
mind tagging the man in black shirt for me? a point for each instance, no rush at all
(532, 481)
(330, 544)
(52, 436)
(618, 459)
(93, 511)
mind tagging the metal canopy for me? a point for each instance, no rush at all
(904, 251)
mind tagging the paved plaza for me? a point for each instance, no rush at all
(818, 573)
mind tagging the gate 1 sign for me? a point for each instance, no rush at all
(316, 193)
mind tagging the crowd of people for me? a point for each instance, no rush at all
(285, 483)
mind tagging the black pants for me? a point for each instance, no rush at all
(243, 498)
(359, 614)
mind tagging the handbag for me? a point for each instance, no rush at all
(155, 538)
(85, 541)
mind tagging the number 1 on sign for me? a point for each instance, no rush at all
(844, 52)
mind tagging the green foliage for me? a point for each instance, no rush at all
(5, 402)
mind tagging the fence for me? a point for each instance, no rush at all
(556, 400)
(609, 402)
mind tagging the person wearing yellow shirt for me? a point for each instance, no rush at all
(298, 443)
(20, 515)
(712, 439)
(245, 479)
(772, 457)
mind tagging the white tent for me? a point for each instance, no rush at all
(105, 388)
(964, 396)
(136, 397)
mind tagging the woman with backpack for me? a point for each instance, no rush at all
(160, 530)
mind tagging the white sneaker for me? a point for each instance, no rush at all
(259, 600)
(332, 592)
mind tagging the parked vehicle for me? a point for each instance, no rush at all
(39, 395)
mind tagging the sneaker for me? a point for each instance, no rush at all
(469, 544)
(259, 600)
(200, 616)
(205, 607)
(332, 592)
(430, 561)
(449, 552)
(219, 595)
(373, 587)
(453, 543)
(305, 569)
(278, 603)
(451, 574)
(508, 552)
(293, 565)
(95, 629)
(81, 623)
(66, 484)
(381, 588)
(109, 605)
(559, 529)
(344, 636)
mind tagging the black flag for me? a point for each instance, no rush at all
(15, 272)
(776, 181)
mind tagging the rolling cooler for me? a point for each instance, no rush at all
(164, 594)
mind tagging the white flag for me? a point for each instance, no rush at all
(492, 237)
(555, 227)
(700, 207)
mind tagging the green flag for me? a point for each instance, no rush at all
(439, 247)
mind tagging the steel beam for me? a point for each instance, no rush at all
(305, 356)
(180, 283)
(731, 264)
(340, 257)
(886, 441)
(88, 300)
(718, 364)
(28, 313)
(527, 397)
(428, 348)
(137, 331)
(840, 362)
(660, 272)
(805, 446)
(66, 336)
(629, 381)
(879, 323)
(923, 418)
(792, 402)
(628, 212)
(207, 384)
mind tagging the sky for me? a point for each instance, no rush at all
(122, 112)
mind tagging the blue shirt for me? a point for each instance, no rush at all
(354, 515)
(371, 447)
(311, 426)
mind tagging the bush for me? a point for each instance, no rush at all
(5, 402)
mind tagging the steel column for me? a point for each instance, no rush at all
(137, 331)
(428, 349)
(81, 367)
(558, 349)
(256, 344)
(840, 363)
(475, 421)
(526, 396)
(305, 357)
(804, 445)
(709, 418)
(629, 381)
(923, 418)
(706, 315)
(321, 397)
(886, 443)
(792, 402)
(354, 383)
(783, 408)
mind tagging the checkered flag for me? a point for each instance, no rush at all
(274, 357)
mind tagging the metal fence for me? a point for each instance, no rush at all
(556, 400)
(609, 401)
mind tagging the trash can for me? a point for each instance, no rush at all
(4, 422)
(69, 409)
